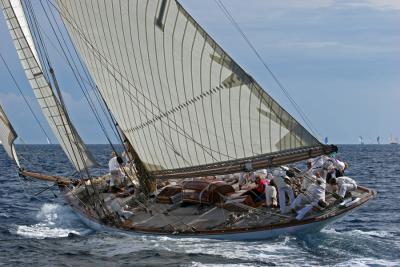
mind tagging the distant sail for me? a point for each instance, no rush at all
(361, 139)
(393, 140)
(184, 104)
(8, 136)
(65, 132)
(326, 140)
(378, 140)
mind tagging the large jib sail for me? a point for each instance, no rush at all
(186, 107)
(8, 136)
(54, 112)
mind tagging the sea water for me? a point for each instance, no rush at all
(42, 231)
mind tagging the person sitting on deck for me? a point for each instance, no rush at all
(283, 189)
(114, 166)
(313, 196)
(344, 185)
(258, 193)
(245, 177)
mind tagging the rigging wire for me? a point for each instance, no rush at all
(73, 134)
(265, 65)
(113, 69)
(102, 58)
(24, 98)
(94, 87)
(121, 79)
(76, 73)
(36, 37)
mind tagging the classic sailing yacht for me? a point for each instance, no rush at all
(190, 118)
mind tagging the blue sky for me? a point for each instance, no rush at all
(340, 61)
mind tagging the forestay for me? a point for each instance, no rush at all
(8, 136)
(50, 105)
(182, 102)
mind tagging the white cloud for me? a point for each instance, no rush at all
(377, 4)
(313, 4)
(309, 45)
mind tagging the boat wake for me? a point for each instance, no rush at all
(244, 253)
(363, 262)
(359, 233)
(55, 221)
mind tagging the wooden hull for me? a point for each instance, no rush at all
(314, 224)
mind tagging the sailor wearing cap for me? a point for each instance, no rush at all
(283, 188)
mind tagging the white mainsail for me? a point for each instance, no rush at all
(8, 136)
(178, 97)
(55, 114)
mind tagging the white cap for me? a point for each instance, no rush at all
(340, 165)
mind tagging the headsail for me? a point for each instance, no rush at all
(55, 114)
(182, 101)
(8, 136)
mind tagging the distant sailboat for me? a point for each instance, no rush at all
(361, 139)
(393, 140)
(378, 140)
(326, 140)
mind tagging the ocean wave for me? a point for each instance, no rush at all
(356, 232)
(55, 221)
(199, 264)
(42, 231)
(4, 215)
(280, 249)
(361, 262)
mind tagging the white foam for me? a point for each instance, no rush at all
(363, 262)
(275, 250)
(356, 232)
(41, 231)
(55, 221)
(199, 264)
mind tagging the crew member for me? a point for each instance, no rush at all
(114, 166)
(314, 195)
(258, 193)
(283, 189)
(344, 184)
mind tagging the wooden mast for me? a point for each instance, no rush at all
(147, 182)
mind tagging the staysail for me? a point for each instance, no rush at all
(54, 112)
(184, 104)
(8, 136)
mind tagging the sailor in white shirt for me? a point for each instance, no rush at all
(115, 169)
(308, 176)
(283, 189)
(344, 184)
(270, 190)
(314, 194)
